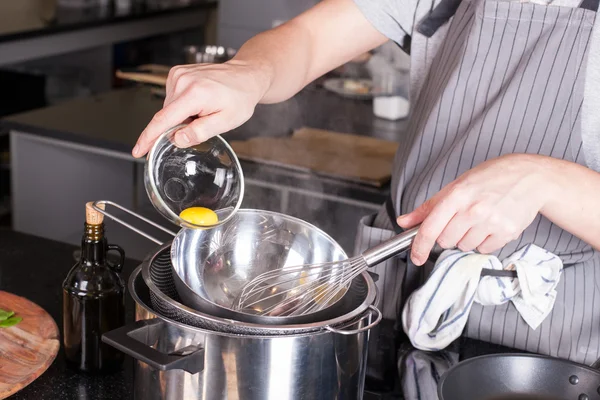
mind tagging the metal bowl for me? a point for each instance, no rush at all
(211, 267)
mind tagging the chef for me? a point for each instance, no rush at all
(502, 148)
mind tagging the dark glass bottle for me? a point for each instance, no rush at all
(93, 301)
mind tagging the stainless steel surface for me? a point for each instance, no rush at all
(306, 288)
(210, 267)
(373, 324)
(158, 276)
(207, 54)
(321, 366)
(96, 207)
(390, 248)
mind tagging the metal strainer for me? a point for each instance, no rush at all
(157, 273)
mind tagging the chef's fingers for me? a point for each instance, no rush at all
(439, 215)
(473, 238)
(173, 114)
(417, 216)
(213, 123)
(202, 129)
(492, 243)
(175, 86)
(454, 231)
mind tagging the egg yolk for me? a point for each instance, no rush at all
(200, 216)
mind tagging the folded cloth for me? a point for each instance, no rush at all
(436, 314)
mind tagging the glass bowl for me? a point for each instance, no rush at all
(206, 175)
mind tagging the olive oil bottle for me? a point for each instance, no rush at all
(93, 301)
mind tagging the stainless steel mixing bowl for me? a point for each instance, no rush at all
(211, 267)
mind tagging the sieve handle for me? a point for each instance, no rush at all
(96, 205)
(372, 309)
(390, 248)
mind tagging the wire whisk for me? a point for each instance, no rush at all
(304, 289)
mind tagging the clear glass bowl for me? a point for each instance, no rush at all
(206, 175)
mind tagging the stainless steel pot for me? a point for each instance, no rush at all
(176, 361)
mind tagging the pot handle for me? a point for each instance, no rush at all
(372, 309)
(96, 205)
(122, 339)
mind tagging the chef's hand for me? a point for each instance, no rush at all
(484, 209)
(222, 95)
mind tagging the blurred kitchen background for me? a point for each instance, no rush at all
(73, 105)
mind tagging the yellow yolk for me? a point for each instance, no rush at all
(200, 216)
(320, 294)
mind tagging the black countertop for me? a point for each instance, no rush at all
(34, 268)
(30, 18)
(114, 120)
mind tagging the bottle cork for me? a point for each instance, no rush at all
(92, 216)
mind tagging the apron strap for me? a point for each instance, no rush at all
(438, 16)
(590, 4)
(446, 9)
(391, 212)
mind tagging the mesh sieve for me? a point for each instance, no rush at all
(157, 274)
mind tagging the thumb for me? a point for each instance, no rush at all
(416, 216)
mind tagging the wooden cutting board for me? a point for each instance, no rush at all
(28, 348)
(344, 156)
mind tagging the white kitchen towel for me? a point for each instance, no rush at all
(436, 314)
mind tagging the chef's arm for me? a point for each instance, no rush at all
(575, 203)
(271, 67)
(292, 55)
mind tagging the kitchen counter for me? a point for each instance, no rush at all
(113, 121)
(86, 144)
(34, 268)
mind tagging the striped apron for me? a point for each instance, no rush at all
(507, 78)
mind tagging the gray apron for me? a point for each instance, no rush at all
(507, 78)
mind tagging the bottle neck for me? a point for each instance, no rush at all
(93, 244)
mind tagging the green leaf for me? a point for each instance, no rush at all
(10, 322)
(4, 315)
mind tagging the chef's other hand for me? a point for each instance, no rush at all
(221, 96)
(484, 209)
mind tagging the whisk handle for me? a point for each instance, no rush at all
(390, 248)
